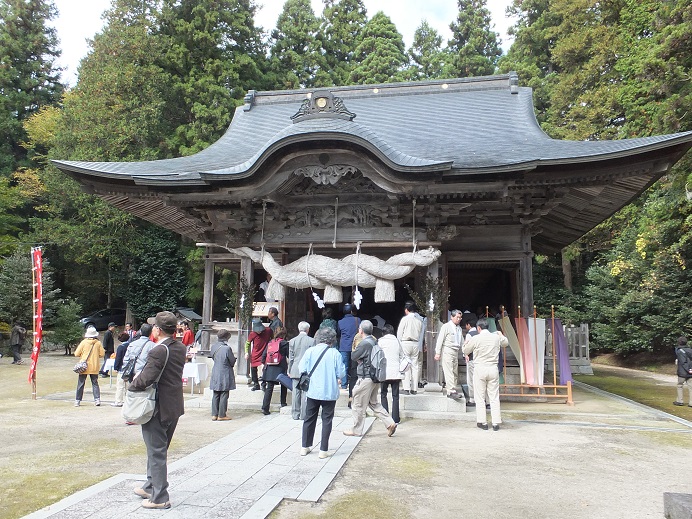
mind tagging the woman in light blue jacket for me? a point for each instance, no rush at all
(324, 388)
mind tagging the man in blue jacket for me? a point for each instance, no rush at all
(348, 326)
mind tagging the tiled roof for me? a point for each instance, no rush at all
(466, 125)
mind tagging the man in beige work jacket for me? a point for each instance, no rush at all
(447, 350)
(486, 350)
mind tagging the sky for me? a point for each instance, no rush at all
(79, 20)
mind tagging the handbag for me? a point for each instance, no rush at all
(304, 380)
(139, 406)
(404, 365)
(82, 365)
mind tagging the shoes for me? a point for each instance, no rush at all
(116, 404)
(214, 418)
(265, 412)
(142, 493)
(350, 433)
(471, 404)
(391, 430)
(156, 506)
(324, 454)
(483, 426)
(678, 403)
(19, 362)
(284, 404)
(421, 385)
(224, 418)
(496, 427)
(255, 388)
(77, 402)
(453, 396)
(487, 406)
(305, 450)
(414, 392)
(405, 392)
(97, 402)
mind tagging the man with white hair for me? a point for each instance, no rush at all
(366, 391)
(296, 349)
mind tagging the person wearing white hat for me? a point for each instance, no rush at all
(90, 350)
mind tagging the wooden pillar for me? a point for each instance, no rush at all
(207, 300)
(526, 273)
(242, 365)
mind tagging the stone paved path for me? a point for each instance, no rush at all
(243, 475)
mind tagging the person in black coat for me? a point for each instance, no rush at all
(108, 345)
(272, 371)
(683, 354)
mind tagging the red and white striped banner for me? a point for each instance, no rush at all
(37, 274)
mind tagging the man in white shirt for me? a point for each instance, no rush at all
(409, 333)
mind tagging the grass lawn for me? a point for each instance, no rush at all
(638, 386)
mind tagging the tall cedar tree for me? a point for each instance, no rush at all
(29, 78)
(340, 33)
(531, 54)
(294, 56)
(215, 55)
(426, 56)
(474, 48)
(380, 56)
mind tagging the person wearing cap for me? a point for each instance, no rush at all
(108, 346)
(166, 360)
(348, 326)
(255, 345)
(90, 350)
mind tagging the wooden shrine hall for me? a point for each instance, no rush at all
(452, 177)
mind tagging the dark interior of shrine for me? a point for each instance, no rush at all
(484, 288)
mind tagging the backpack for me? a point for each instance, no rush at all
(378, 364)
(273, 355)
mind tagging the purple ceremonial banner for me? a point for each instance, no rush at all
(562, 353)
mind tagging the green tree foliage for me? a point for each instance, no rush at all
(117, 111)
(67, 331)
(339, 34)
(16, 299)
(157, 274)
(294, 53)
(426, 56)
(380, 55)
(215, 55)
(29, 78)
(474, 48)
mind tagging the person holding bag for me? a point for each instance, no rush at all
(222, 376)
(165, 363)
(89, 351)
(325, 370)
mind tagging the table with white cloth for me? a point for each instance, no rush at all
(197, 372)
(109, 368)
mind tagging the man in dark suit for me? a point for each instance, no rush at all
(158, 432)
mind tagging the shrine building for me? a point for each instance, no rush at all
(457, 169)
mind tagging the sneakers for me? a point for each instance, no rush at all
(223, 418)
(77, 402)
(305, 450)
(391, 429)
(97, 402)
(116, 404)
(324, 454)
(483, 426)
(142, 493)
(155, 506)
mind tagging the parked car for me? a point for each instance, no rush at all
(101, 318)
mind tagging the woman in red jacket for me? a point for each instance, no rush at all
(257, 340)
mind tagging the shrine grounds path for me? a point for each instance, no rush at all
(603, 457)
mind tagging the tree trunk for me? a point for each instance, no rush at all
(566, 270)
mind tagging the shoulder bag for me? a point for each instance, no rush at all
(139, 405)
(304, 380)
(82, 365)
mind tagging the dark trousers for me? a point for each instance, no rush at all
(352, 377)
(157, 438)
(394, 384)
(346, 359)
(95, 389)
(16, 350)
(312, 408)
(270, 391)
(219, 403)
